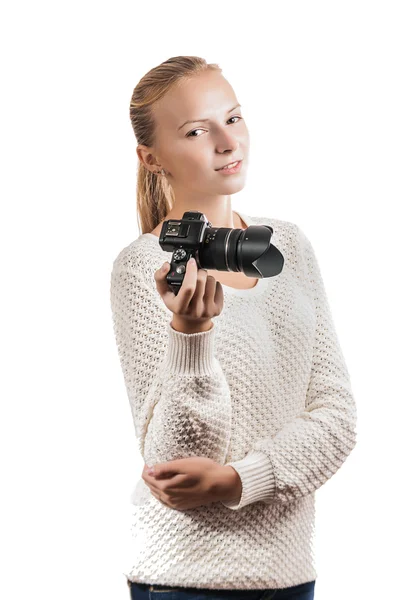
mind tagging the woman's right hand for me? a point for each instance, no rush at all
(199, 299)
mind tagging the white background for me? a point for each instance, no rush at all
(319, 83)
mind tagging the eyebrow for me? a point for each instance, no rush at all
(202, 120)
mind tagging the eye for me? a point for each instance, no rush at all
(189, 134)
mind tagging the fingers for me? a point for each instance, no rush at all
(189, 285)
(187, 289)
(218, 298)
(200, 296)
(212, 291)
(208, 295)
(150, 481)
(203, 297)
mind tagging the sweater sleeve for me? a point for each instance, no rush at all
(179, 397)
(310, 448)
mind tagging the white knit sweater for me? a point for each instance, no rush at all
(265, 390)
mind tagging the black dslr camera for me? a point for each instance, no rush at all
(218, 248)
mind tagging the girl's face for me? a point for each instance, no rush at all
(191, 153)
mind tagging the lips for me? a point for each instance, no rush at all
(230, 163)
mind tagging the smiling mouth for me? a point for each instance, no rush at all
(230, 165)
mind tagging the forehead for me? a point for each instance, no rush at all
(207, 95)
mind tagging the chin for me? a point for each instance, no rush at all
(234, 184)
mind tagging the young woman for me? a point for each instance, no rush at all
(239, 392)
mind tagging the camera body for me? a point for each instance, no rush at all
(218, 248)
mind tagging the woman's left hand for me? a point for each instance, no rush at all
(190, 482)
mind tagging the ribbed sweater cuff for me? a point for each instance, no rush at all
(257, 478)
(190, 353)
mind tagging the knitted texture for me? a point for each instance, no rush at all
(265, 390)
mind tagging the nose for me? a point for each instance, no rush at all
(227, 144)
(226, 140)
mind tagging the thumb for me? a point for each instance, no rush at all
(163, 470)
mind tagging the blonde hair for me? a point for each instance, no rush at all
(154, 194)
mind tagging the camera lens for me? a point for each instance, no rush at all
(247, 250)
